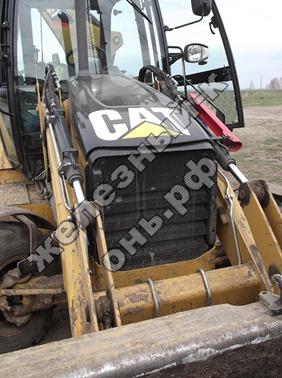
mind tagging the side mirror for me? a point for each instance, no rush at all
(196, 53)
(201, 7)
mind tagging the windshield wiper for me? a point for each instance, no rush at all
(139, 10)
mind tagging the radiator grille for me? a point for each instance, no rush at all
(182, 237)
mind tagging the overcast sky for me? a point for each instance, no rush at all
(254, 29)
(255, 32)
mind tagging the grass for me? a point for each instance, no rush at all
(261, 97)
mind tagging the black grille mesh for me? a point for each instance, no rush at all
(181, 237)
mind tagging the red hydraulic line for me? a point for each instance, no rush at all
(215, 124)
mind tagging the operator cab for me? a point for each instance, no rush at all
(122, 36)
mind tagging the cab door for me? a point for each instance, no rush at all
(20, 72)
(8, 149)
(214, 81)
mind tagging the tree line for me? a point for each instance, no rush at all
(275, 83)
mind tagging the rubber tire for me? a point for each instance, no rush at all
(14, 246)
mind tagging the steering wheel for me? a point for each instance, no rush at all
(101, 55)
(167, 87)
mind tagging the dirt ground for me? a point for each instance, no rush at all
(260, 158)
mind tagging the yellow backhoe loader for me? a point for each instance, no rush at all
(116, 195)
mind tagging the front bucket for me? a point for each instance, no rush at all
(216, 341)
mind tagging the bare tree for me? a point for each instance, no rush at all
(274, 84)
(252, 86)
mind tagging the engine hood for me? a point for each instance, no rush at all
(117, 112)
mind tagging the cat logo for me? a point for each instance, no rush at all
(110, 125)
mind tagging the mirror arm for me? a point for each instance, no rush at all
(180, 56)
(166, 28)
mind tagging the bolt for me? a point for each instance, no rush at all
(242, 194)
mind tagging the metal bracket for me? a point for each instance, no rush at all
(273, 301)
(260, 189)
(104, 312)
